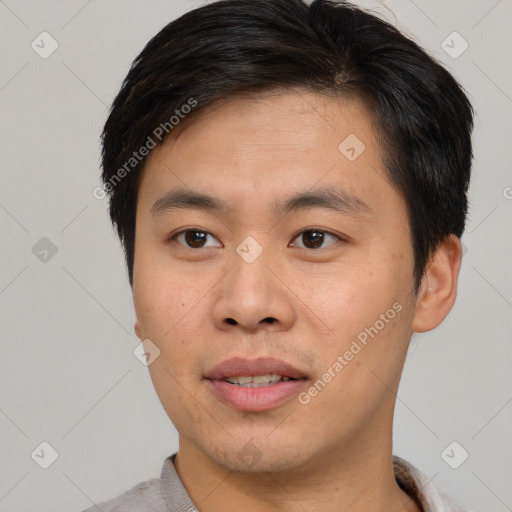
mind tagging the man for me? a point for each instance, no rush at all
(289, 184)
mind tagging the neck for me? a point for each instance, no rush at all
(345, 480)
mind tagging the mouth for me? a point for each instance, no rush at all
(255, 385)
(257, 381)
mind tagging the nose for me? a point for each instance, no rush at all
(254, 296)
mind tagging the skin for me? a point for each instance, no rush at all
(334, 453)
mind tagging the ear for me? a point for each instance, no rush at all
(137, 330)
(438, 288)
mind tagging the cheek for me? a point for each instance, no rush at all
(170, 316)
(368, 309)
(361, 366)
(167, 312)
(352, 296)
(163, 295)
(170, 307)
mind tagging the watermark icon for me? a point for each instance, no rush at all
(44, 45)
(44, 250)
(343, 360)
(146, 352)
(44, 455)
(454, 45)
(249, 249)
(454, 455)
(507, 193)
(158, 134)
(351, 147)
(249, 454)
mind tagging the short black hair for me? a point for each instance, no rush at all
(231, 48)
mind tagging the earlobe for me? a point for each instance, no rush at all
(438, 288)
(137, 329)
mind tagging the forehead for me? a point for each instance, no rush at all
(255, 148)
(286, 122)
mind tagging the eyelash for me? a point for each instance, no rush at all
(174, 236)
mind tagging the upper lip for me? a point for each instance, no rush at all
(238, 366)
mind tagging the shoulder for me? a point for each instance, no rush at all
(145, 496)
(418, 486)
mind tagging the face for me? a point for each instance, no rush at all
(294, 265)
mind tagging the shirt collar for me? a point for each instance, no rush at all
(410, 480)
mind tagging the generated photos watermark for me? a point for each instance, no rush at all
(356, 346)
(157, 136)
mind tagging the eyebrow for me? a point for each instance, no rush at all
(333, 199)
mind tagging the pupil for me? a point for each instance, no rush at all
(316, 238)
(194, 238)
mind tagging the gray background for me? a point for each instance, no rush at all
(69, 375)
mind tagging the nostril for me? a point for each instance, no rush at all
(230, 321)
(269, 320)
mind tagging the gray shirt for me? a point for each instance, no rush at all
(167, 493)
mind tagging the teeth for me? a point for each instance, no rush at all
(256, 380)
(260, 379)
(244, 380)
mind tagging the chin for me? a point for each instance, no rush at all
(261, 455)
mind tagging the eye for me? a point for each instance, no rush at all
(193, 238)
(314, 238)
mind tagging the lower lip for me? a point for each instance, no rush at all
(261, 398)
